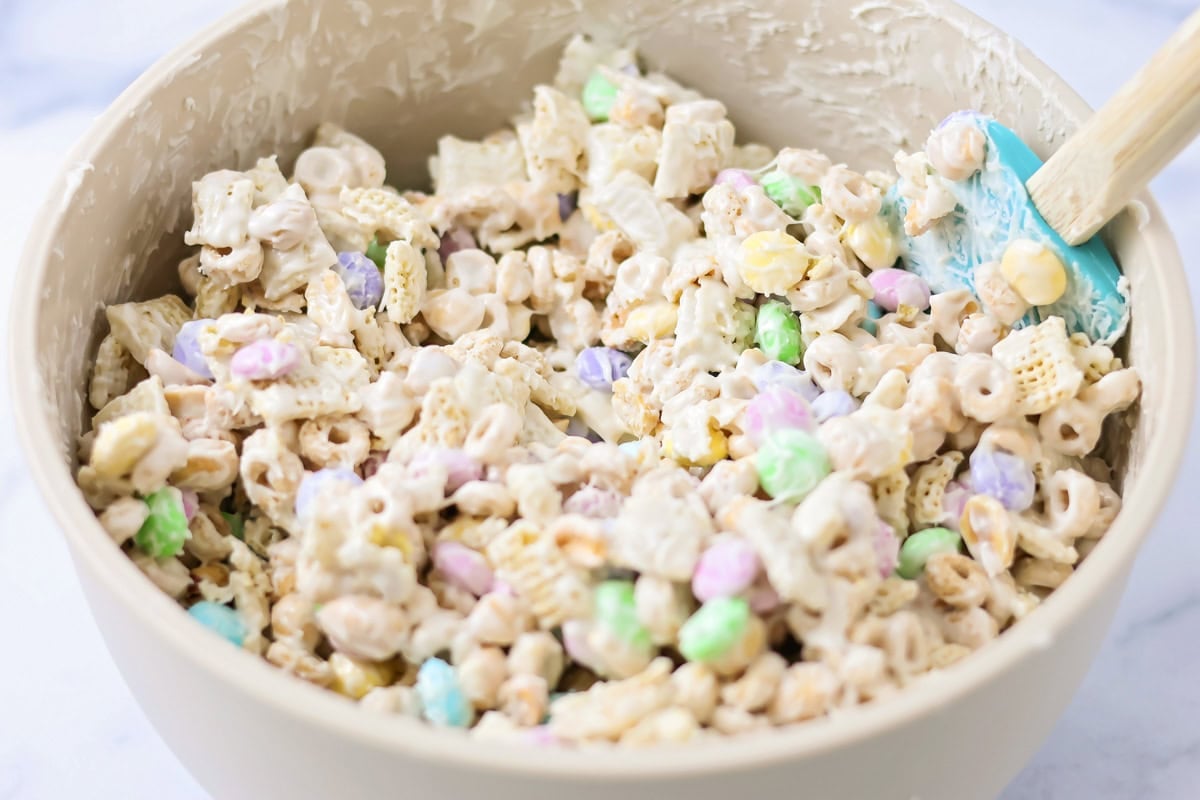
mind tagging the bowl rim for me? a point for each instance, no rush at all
(307, 704)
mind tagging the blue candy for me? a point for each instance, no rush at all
(1004, 477)
(442, 698)
(220, 619)
(364, 283)
(599, 367)
(187, 347)
(835, 403)
(778, 374)
(874, 312)
(993, 210)
(313, 482)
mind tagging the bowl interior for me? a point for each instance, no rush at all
(856, 82)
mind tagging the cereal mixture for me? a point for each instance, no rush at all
(625, 433)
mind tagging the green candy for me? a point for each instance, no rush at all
(237, 525)
(924, 545)
(869, 325)
(777, 332)
(377, 252)
(598, 96)
(616, 610)
(790, 194)
(790, 464)
(166, 527)
(717, 626)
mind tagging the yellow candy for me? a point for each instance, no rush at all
(772, 262)
(873, 243)
(714, 450)
(1034, 272)
(655, 321)
(354, 678)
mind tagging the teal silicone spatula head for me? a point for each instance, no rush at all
(994, 210)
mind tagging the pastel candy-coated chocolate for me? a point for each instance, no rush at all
(454, 240)
(778, 374)
(1003, 476)
(266, 359)
(896, 287)
(443, 702)
(599, 367)
(186, 349)
(790, 464)
(165, 528)
(777, 332)
(776, 409)
(739, 179)
(834, 403)
(994, 210)
(725, 569)
(616, 610)
(220, 619)
(460, 467)
(363, 281)
(717, 626)
(887, 548)
(924, 545)
(463, 567)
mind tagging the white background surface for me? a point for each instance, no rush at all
(70, 729)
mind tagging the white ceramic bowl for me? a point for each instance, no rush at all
(856, 82)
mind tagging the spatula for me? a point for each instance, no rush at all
(1064, 202)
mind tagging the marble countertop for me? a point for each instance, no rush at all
(69, 727)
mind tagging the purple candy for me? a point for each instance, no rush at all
(264, 360)
(739, 179)
(567, 204)
(454, 240)
(1004, 477)
(460, 467)
(775, 409)
(313, 483)
(725, 569)
(777, 373)
(599, 367)
(364, 282)
(887, 548)
(897, 287)
(835, 403)
(954, 500)
(463, 567)
(373, 462)
(187, 348)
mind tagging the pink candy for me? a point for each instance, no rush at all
(954, 500)
(727, 568)
(763, 598)
(592, 501)
(454, 240)
(739, 179)
(776, 409)
(463, 567)
(896, 287)
(887, 548)
(264, 360)
(191, 503)
(460, 467)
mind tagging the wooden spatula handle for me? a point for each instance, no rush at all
(1126, 143)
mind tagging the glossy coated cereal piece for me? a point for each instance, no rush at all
(313, 482)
